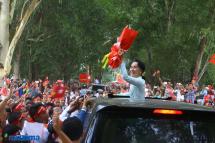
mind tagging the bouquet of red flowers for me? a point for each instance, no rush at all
(124, 42)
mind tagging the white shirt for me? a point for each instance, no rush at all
(179, 97)
(64, 115)
(137, 84)
(35, 129)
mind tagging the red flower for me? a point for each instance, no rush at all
(127, 38)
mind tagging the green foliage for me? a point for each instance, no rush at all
(63, 35)
(209, 77)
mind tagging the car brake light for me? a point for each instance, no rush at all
(167, 111)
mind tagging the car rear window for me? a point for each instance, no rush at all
(141, 128)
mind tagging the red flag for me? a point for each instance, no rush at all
(127, 38)
(84, 78)
(213, 56)
(212, 59)
(58, 91)
(3, 91)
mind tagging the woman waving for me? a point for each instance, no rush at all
(136, 79)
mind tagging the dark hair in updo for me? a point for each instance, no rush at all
(141, 65)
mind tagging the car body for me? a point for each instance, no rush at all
(120, 120)
(96, 87)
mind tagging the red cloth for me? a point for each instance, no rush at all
(124, 42)
(40, 111)
(30, 120)
(8, 81)
(58, 91)
(206, 98)
(84, 78)
(127, 38)
(212, 59)
(59, 81)
(213, 56)
(19, 107)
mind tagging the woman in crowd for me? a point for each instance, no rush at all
(136, 79)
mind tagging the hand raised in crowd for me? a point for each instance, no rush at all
(57, 124)
(21, 99)
(74, 105)
(4, 103)
(10, 93)
(156, 73)
(10, 103)
(87, 102)
(121, 51)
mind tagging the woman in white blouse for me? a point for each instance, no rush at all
(136, 79)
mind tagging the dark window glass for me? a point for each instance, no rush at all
(121, 129)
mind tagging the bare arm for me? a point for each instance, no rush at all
(63, 137)
(4, 102)
(57, 127)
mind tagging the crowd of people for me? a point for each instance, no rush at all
(54, 110)
(203, 95)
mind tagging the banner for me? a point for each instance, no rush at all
(84, 78)
(58, 91)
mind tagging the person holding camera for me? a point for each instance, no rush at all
(72, 128)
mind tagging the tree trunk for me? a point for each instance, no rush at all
(199, 58)
(33, 5)
(4, 29)
(17, 63)
(36, 71)
(149, 55)
(30, 74)
(203, 69)
(169, 4)
(4, 34)
(12, 9)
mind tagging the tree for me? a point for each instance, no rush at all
(8, 51)
(66, 36)
(4, 28)
(209, 49)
